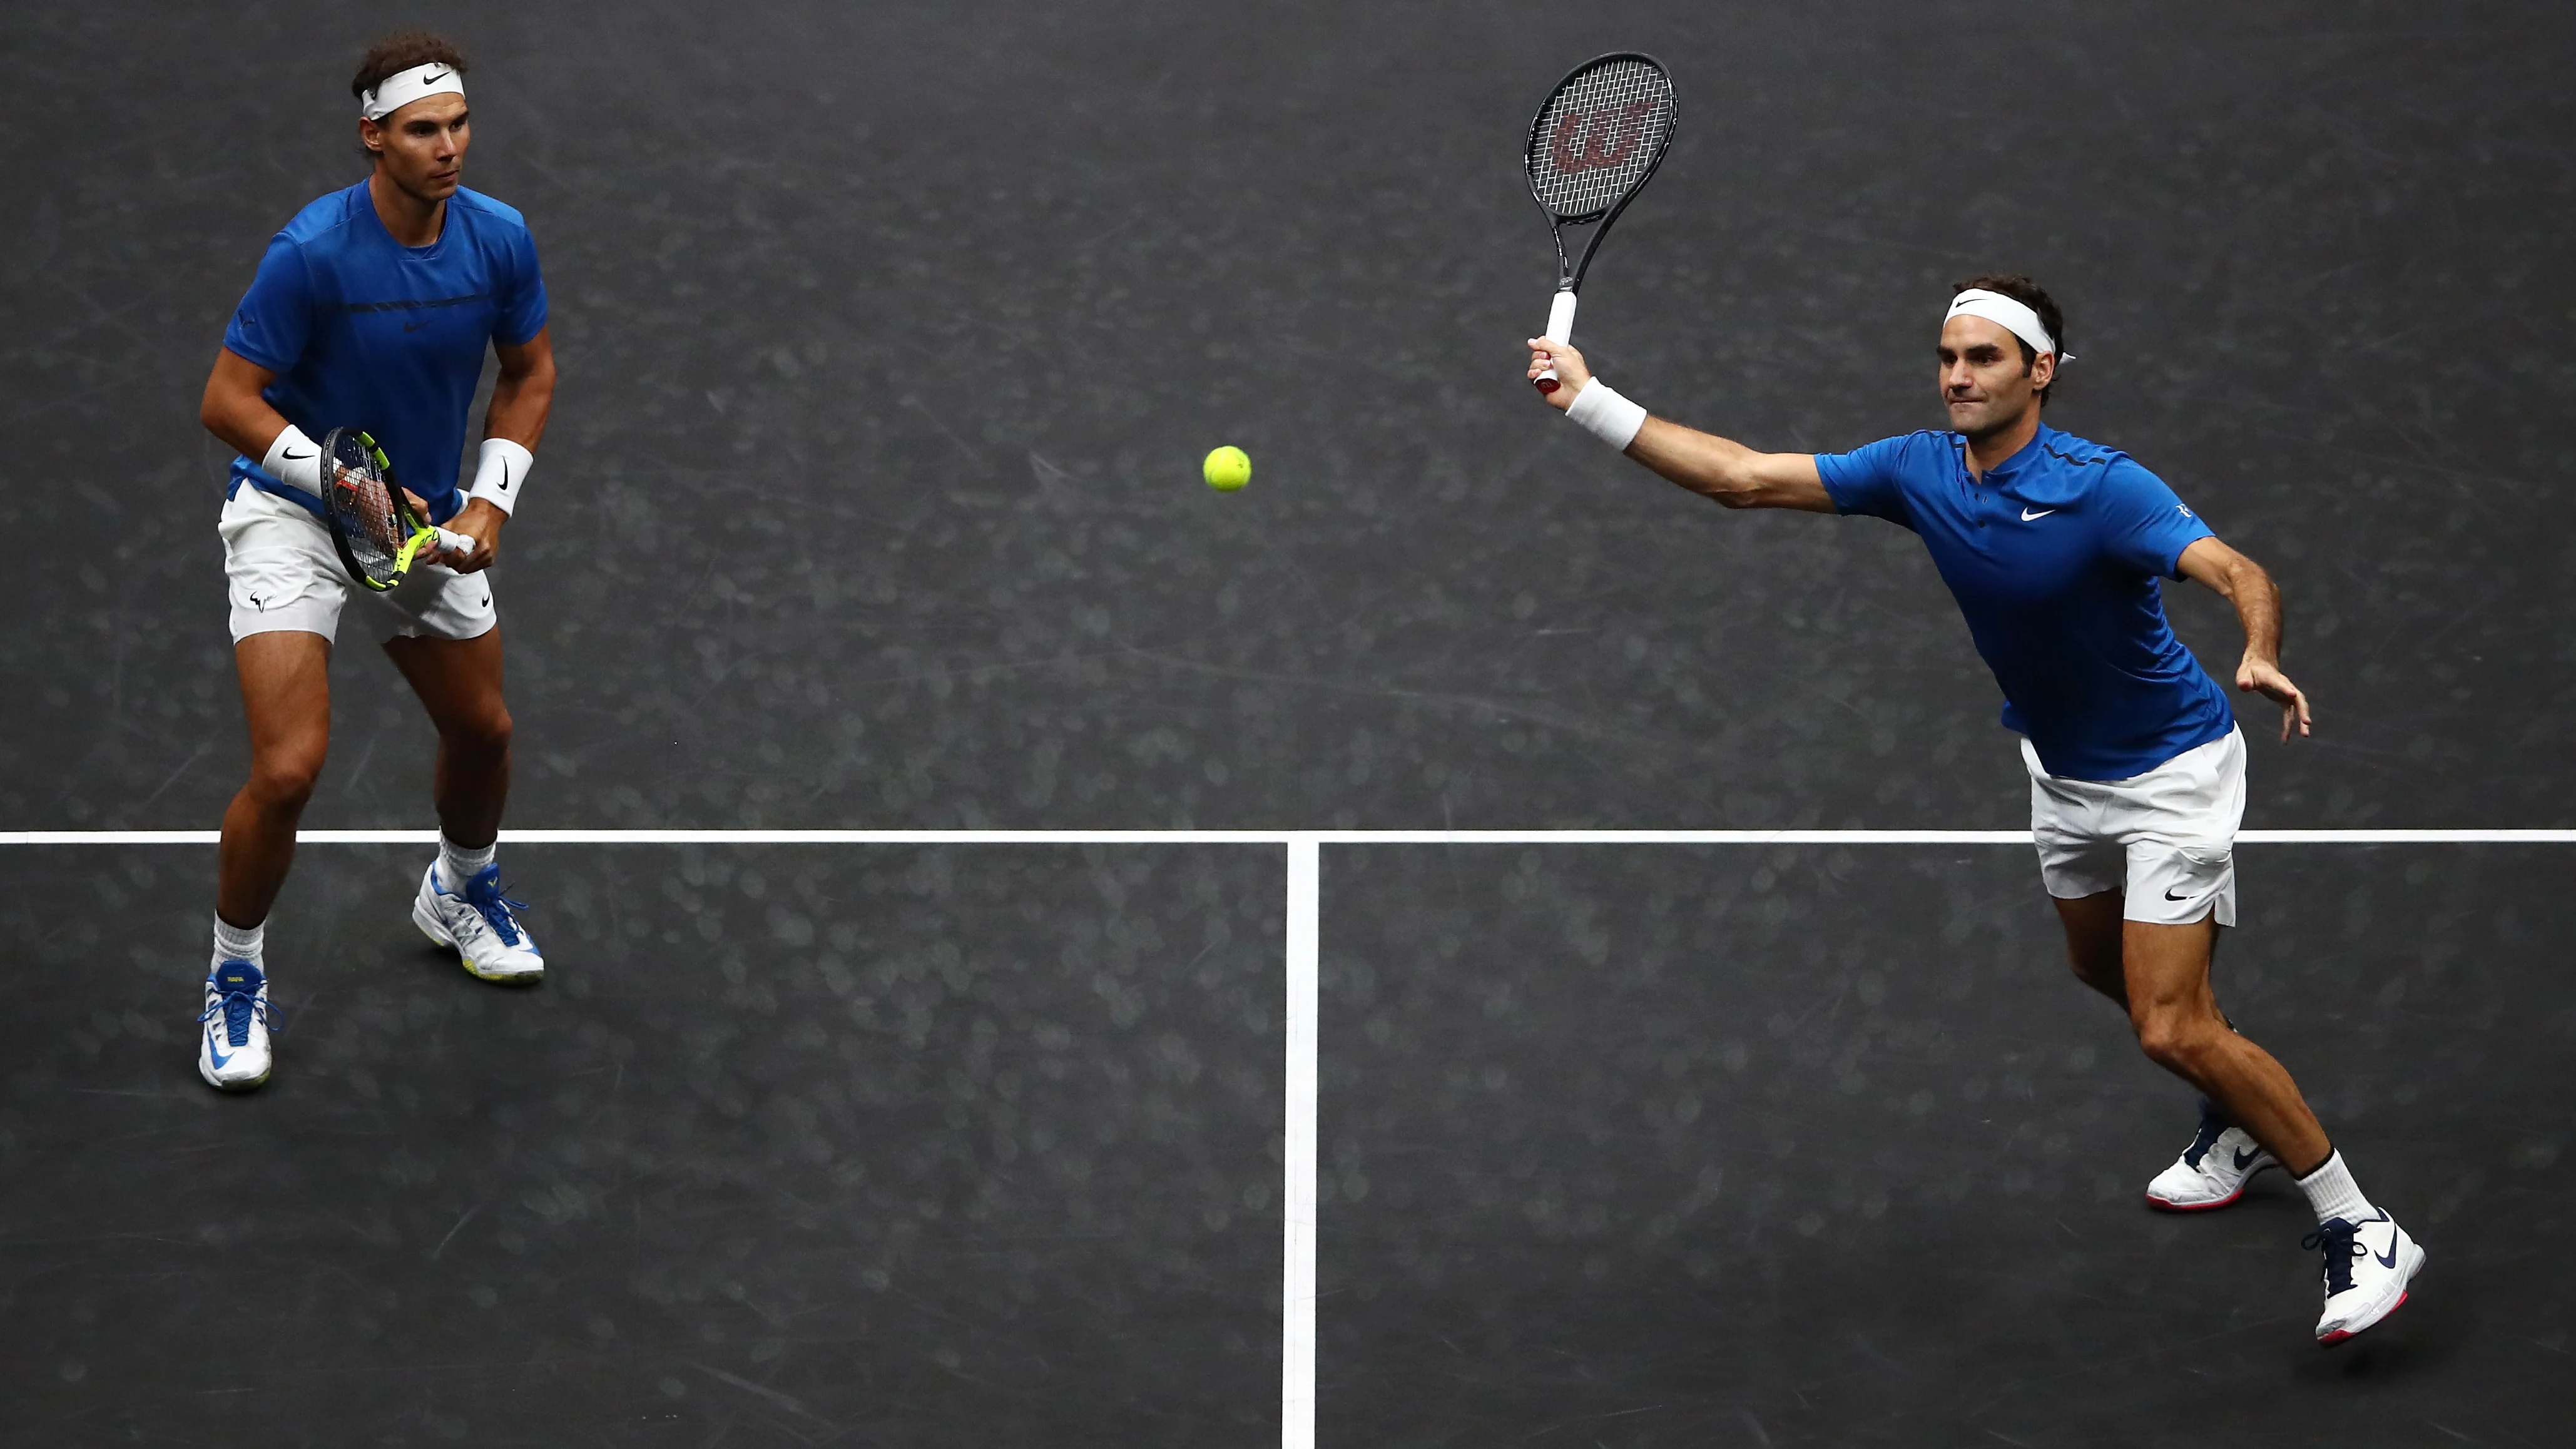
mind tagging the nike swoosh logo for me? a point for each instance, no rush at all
(505, 475)
(2027, 515)
(295, 457)
(2169, 895)
(214, 1053)
(2389, 1258)
(2243, 1157)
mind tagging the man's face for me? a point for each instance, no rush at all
(421, 146)
(1983, 381)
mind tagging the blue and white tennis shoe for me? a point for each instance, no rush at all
(2213, 1170)
(232, 1050)
(481, 925)
(2368, 1265)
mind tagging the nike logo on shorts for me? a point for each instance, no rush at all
(2027, 515)
(2169, 895)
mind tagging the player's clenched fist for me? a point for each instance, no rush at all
(1571, 374)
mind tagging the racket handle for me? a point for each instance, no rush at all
(459, 544)
(1560, 328)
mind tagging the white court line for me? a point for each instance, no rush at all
(1303, 947)
(1297, 1288)
(2509, 836)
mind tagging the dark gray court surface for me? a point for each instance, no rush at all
(861, 1147)
(1642, 1147)
(891, 337)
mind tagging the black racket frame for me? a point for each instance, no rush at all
(406, 523)
(1570, 279)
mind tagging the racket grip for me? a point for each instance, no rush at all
(461, 545)
(1560, 328)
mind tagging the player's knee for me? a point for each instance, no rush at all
(283, 777)
(486, 733)
(2173, 1040)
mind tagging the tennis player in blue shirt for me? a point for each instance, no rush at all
(2053, 547)
(373, 309)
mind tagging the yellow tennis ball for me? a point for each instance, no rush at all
(1227, 469)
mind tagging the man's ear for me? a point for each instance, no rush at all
(2043, 370)
(371, 135)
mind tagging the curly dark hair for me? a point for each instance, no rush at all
(397, 53)
(2032, 295)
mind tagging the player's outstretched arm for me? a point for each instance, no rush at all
(1704, 463)
(2249, 587)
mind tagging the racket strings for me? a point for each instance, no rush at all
(1600, 134)
(370, 521)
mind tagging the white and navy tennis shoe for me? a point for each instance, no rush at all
(2368, 1265)
(2213, 1170)
(481, 925)
(232, 1049)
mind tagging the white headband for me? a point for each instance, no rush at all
(404, 87)
(2015, 318)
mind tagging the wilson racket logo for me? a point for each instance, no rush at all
(1597, 140)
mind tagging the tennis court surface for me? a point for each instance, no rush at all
(891, 340)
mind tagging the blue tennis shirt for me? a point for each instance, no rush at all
(2054, 558)
(364, 332)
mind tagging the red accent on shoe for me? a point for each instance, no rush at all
(2161, 1205)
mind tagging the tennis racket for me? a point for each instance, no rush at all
(372, 523)
(1592, 148)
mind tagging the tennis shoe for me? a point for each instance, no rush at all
(2368, 1265)
(2212, 1171)
(232, 1050)
(480, 925)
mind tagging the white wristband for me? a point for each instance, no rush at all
(1604, 414)
(501, 473)
(294, 460)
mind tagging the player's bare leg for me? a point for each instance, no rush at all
(286, 701)
(2166, 972)
(460, 903)
(459, 683)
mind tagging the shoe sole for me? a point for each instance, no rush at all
(2414, 1265)
(241, 1086)
(2162, 1205)
(438, 937)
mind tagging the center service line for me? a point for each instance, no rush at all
(1297, 1287)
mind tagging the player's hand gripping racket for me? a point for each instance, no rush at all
(1592, 148)
(372, 522)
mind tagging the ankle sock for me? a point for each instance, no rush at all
(457, 865)
(239, 943)
(2332, 1192)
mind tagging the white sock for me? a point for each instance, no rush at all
(239, 943)
(457, 865)
(2331, 1192)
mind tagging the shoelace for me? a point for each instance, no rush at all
(483, 893)
(2341, 1242)
(237, 1007)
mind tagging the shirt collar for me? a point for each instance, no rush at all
(2023, 458)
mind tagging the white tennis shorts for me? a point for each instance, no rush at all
(2167, 837)
(282, 573)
